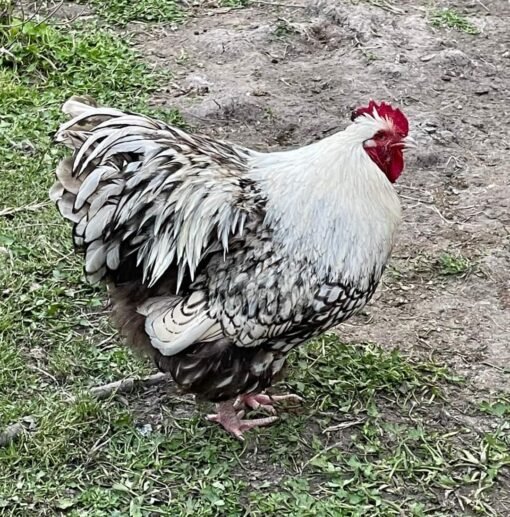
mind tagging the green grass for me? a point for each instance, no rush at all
(284, 29)
(235, 3)
(373, 438)
(451, 19)
(121, 12)
(452, 264)
(499, 407)
(363, 443)
(447, 265)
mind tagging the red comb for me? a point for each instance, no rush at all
(385, 110)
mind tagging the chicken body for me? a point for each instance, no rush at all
(219, 259)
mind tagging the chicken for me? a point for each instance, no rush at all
(219, 259)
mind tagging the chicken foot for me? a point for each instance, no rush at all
(232, 421)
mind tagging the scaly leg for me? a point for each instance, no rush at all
(263, 401)
(231, 419)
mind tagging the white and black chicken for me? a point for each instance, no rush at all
(219, 260)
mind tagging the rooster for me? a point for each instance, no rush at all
(219, 259)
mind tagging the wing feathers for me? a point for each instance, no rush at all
(174, 324)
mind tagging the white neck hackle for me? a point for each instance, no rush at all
(328, 202)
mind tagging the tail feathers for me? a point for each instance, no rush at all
(64, 190)
(86, 114)
(65, 178)
(91, 216)
(89, 184)
(75, 193)
(77, 105)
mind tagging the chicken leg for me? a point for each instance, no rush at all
(232, 420)
(230, 414)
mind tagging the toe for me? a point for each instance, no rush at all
(290, 397)
(245, 425)
(253, 403)
(263, 399)
(267, 407)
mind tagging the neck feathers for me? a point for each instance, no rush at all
(330, 204)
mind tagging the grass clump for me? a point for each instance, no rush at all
(235, 3)
(284, 29)
(40, 56)
(499, 407)
(451, 19)
(447, 264)
(454, 264)
(121, 12)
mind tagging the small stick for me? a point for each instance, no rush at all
(343, 425)
(278, 4)
(387, 7)
(483, 5)
(127, 385)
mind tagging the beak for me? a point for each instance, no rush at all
(409, 143)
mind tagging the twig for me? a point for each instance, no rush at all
(387, 7)
(504, 370)
(425, 202)
(438, 212)
(50, 13)
(83, 13)
(127, 385)
(343, 425)
(278, 4)
(44, 372)
(483, 5)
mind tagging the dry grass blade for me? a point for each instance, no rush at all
(343, 425)
(28, 208)
(278, 4)
(383, 4)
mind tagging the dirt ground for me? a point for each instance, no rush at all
(275, 77)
